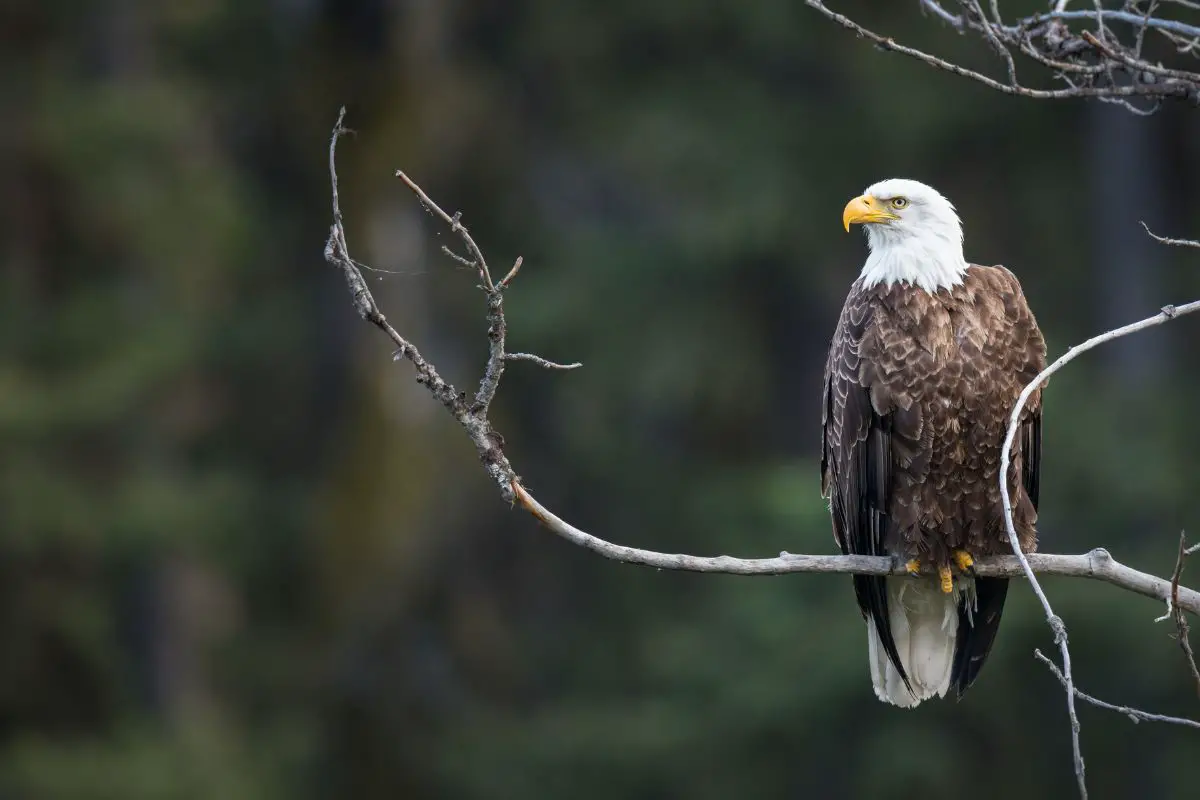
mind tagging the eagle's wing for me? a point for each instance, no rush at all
(1030, 453)
(859, 435)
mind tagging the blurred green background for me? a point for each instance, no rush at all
(244, 555)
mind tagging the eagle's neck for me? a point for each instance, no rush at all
(934, 260)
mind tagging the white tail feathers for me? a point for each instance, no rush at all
(924, 626)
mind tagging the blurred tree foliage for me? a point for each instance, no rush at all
(243, 556)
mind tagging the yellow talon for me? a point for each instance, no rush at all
(913, 567)
(947, 579)
(964, 560)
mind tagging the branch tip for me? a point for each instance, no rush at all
(512, 273)
(541, 362)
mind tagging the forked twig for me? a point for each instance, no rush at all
(1135, 715)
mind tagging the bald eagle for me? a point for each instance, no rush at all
(926, 363)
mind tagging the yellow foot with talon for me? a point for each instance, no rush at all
(963, 559)
(913, 567)
(947, 578)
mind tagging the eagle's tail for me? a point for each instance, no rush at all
(977, 628)
(925, 626)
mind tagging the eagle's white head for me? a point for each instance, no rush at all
(913, 232)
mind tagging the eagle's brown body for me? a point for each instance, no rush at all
(919, 387)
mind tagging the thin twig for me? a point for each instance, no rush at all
(1099, 4)
(1135, 715)
(1182, 628)
(1108, 52)
(1173, 242)
(1125, 17)
(455, 223)
(1179, 559)
(943, 14)
(541, 362)
(1151, 7)
(466, 262)
(1026, 47)
(512, 273)
(973, 7)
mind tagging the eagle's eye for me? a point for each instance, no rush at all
(899, 202)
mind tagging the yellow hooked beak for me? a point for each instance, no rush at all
(865, 209)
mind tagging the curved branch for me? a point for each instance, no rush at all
(1172, 242)
(473, 419)
(1138, 20)
(1135, 715)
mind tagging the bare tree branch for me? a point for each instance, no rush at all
(1091, 63)
(473, 419)
(1135, 715)
(1173, 242)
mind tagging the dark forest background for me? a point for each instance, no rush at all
(244, 555)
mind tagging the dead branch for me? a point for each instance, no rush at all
(1093, 53)
(541, 362)
(1135, 715)
(472, 418)
(1173, 242)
